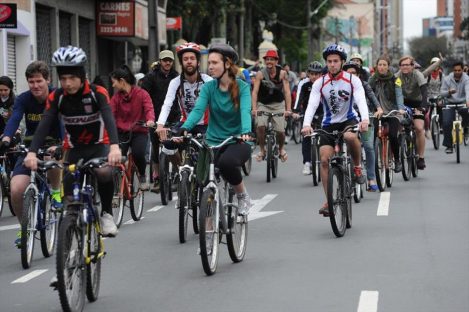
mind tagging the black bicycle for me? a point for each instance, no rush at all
(435, 122)
(296, 126)
(272, 147)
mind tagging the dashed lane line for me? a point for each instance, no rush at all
(9, 227)
(383, 206)
(131, 221)
(29, 276)
(368, 301)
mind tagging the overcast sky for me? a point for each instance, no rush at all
(414, 12)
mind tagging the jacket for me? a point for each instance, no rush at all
(387, 89)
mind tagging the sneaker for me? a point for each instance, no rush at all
(54, 283)
(373, 188)
(359, 177)
(56, 200)
(18, 240)
(307, 168)
(421, 164)
(244, 204)
(324, 210)
(156, 186)
(108, 227)
(143, 183)
(449, 150)
(397, 166)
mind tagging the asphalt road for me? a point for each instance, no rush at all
(411, 254)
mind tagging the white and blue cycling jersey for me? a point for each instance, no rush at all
(337, 95)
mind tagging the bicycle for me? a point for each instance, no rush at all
(408, 148)
(435, 122)
(340, 183)
(296, 126)
(458, 135)
(127, 188)
(272, 147)
(384, 168)
(5, 173)
(219, 215)
(38, 214)
(315, 159)
(80, 246)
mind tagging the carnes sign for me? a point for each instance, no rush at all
(8, 15)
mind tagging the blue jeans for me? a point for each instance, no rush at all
(368, 141)
(449, 114)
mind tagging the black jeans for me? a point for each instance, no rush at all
(230, 159)
(138, 144)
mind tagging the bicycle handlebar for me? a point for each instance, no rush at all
(352, 128)
(393, 113)
(270, 114)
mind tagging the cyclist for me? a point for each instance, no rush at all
(456, 87)
(229, 103)
(388, 89)
(414, 89)
(271, 93)
(434, 75)
(156, 82)
(358, 58)
(184, 90)
(7, 98)
(30, 105)
(90, 129)
(367, 137)
(314, 72)
(131, 104)
(337, 91)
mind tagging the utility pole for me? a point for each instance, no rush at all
(241, 33)
(351, 33)
(152, 32)
(336, 22)
(310, 30)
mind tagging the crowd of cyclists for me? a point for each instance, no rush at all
(163, 106)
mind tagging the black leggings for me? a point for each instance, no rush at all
(138, 144)
(230, 159)
(103, 175)
(393, 134)
(155, 145)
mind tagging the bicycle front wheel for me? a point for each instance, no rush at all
(314, 162)
(380, 168)
(390, 166)
(93, 258)
(415, 169)
(136, 203)
(435, 130)
(2, 194)
(70, 267)
(406, 162)
(184, 204)
(336, 201)
(209, 231)
(457, 130)
(28, 228)
(48, 228)
(164, 173)
(118, 199)
(269, 157)
(237, 235)
(274, 160)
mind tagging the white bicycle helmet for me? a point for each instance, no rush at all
(69, 56)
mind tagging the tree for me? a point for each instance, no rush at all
(423, 49)
(465, 28)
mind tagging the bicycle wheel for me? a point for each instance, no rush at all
(136, 203)
(274, 160)
(435, 131)
(380, 169)
(269, 157)
(390, 167)
(184, 204)
(118, 199)
(457, 130)
(237, 236)
(48, 228)
(2, 195)
(70, 267)
(196, 196)
(415, 170)
(466, 136)
(314, 162)
(336, 201)
(28, 228)
(93, 262)
(348, 202)
(164, 172)
(209, 233)
(296, 132)
(405, 157)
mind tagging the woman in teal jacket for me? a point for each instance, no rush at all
(229, 102)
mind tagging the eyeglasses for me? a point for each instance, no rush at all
(405, 65)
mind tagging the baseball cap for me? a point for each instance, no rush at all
(166, 54)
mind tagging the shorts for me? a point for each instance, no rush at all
(20, 168)
(329, 140)
(278, 122)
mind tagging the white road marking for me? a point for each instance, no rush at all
(29, 276)
(131, 221)
(258, 204)
(9, 227)
(368, 301)
(383, 206)
(154, 209)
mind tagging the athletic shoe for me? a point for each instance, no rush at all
(307, 168)
(108, 227)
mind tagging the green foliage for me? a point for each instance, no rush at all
(423, 49)
(465, 28)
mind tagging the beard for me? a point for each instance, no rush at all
(189, 70)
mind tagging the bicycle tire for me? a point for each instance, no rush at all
(336, 201)
(136, 203)
(380, 170)
(348, 201)
(93, 266)
(435, 131)
(184, 204)
(2, 195)
(405, 157)
(390, 167)
(69, 264)
(196, 196)
(12, 211)
(28, 228)
(314, 159)
(274, 165)
(49, 226)
(163, 174)
(296, 132)
(457, 143)
(355, 187)
(236, 238)
(269, 157)
(415, 169)
(118, 199)
(209, 228)
(466, 136)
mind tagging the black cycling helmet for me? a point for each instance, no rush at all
(226, 50)
(351, 64)
(315, 67)
(334, 49)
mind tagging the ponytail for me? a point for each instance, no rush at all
(125, 73)
(233, 88)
